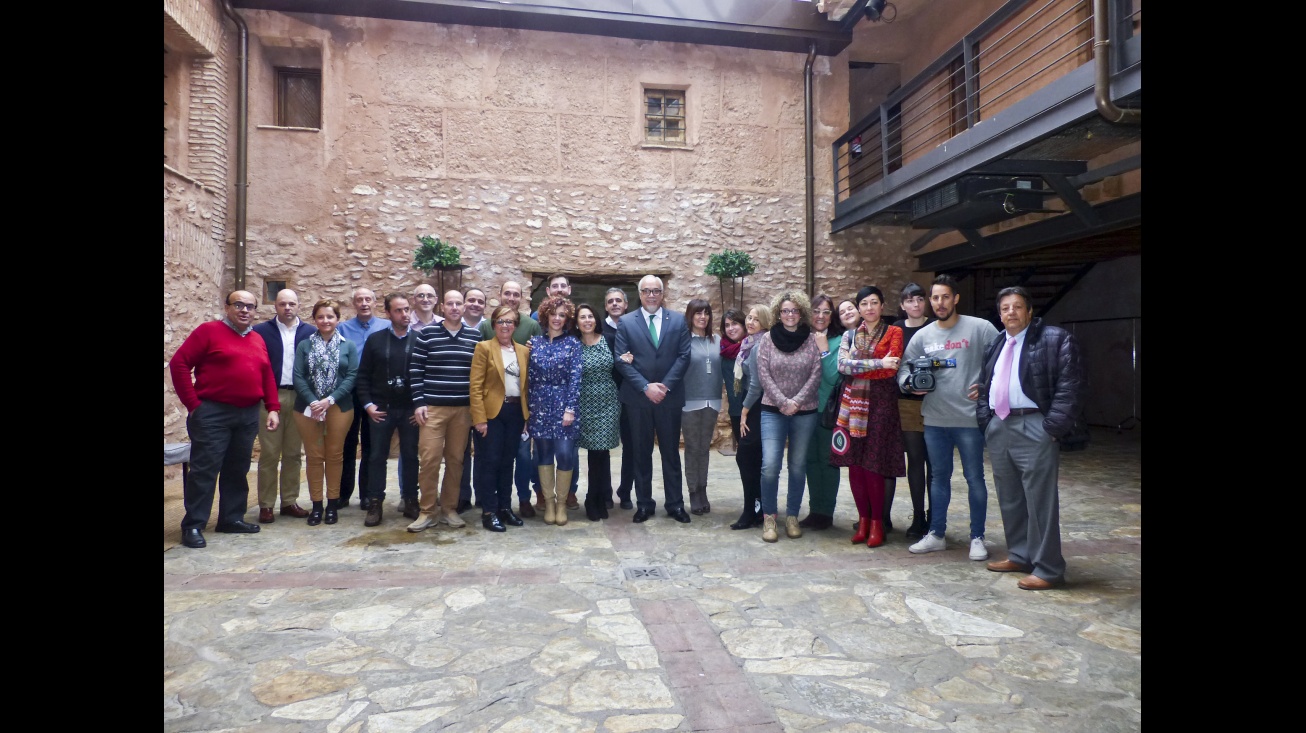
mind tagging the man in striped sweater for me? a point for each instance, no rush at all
(440, 375)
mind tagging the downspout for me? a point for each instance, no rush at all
(810, 179)
(1102, 69)
(242, 152)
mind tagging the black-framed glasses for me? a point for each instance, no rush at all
(505, 322)
(651, 291)
(240, 306)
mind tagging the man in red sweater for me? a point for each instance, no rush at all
(232, 373)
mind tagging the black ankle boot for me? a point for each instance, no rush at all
(315, 516)
(331, 507)
(492, 523)
(591, 508)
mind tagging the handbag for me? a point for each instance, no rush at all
(830, 415)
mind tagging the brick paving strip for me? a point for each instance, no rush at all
(376, 579)
(709, 683)
(873, 559)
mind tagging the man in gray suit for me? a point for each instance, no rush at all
(653, 393)
(1030, 397)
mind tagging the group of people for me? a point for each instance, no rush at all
(834, 383)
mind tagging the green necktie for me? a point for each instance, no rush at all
(653, 331)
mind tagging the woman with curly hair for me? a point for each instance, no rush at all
(554, 400)
(789, 371)
(868, 436)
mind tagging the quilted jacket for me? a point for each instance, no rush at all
(1051, 374)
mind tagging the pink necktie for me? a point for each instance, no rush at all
(1002, 382)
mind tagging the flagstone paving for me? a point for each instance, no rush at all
(349, 629)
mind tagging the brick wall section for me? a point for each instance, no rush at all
(197, 204)
(196, 23)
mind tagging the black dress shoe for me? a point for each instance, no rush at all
(641, 515)
(679, 515)
(238, 527)
(806, 521)
(627, 504)
(699, 511)
(745, 521)
(315, 516)
(492, 523)
(410, 508)
(193, 538)
(507, 517)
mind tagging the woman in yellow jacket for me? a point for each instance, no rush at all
(499, 413)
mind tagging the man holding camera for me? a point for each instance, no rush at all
(949, 410)
(383, 392)
(1031, 396)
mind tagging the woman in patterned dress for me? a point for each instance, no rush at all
(600, 410)
(868, 436)
(554, 401)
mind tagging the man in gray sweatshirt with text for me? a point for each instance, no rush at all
(949, 411)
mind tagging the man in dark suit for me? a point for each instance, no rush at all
(614, 302)
(653, 392)
(284, 446)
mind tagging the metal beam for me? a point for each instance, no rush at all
(1019, 167)
(1063, 102)
(1115, 214)
(1073, 200)
(773, 25)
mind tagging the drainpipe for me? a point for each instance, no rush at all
(1102, 68)
(810, 179)
(242, 145)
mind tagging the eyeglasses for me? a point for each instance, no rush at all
(791, 311)
(823, 312)
(651, 291)
(505, 322)
(243, 306)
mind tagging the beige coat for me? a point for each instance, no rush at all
(487, 387)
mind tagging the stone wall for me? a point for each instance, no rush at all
(525, 150)
(196, 186)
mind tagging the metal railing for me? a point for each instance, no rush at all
(1019, 49)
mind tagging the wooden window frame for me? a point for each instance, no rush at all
(283, 76)
(662, 116)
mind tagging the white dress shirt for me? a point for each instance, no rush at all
(287, 373)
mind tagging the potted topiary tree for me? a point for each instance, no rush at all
(434, 255)
(732, 265)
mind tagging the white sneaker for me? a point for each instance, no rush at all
(977, 549)
(422, 522)
(929, 543)
(453, 520)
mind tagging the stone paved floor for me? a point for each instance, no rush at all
(352, 629)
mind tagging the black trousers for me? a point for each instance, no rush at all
(359, 430)
(600, 474)
(648, 420)
(749, 459)
(627, 460)
(221, 448)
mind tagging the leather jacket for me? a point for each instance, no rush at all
(1051, 373)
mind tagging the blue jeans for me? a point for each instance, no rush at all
(563, 450)
(776, 428)
(969, 442)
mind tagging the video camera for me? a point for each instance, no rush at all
(921, 376)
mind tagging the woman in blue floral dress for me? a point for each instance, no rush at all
(554, 399)
(600, 410)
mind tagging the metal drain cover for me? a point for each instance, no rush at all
(655, 572)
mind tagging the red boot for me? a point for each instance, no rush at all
(875, 537)
(863, 527)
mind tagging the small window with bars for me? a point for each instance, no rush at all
(299, 97)
(664, 116)
(273, 287)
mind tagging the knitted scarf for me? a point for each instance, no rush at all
(324, 362)
(790, 341)
(745, 350)
(729, 349)
(855, 402)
